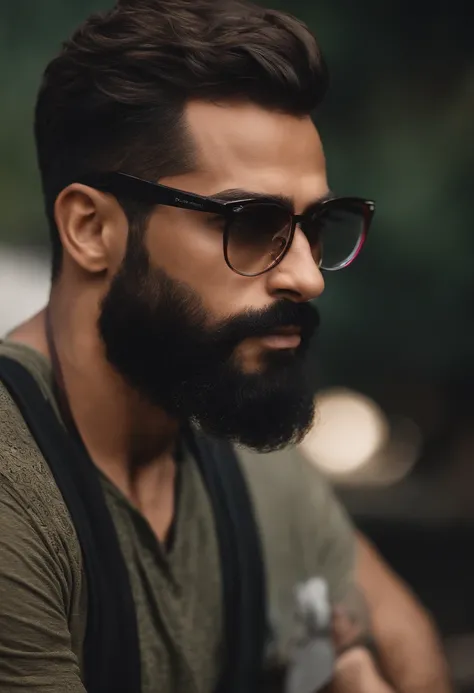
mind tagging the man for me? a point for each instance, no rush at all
(191, 220)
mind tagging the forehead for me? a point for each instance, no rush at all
(241, 145)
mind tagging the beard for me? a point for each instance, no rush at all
(157, 336)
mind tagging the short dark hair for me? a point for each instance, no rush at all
(115, 95)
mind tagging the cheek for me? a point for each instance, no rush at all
(180, 243)
(191, 251)
(116, 237)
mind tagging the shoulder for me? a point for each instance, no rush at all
(305, 531)
(42, 607)
(288, 469)
(289, 491)
(29, 486)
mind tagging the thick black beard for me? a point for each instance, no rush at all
(156, 335)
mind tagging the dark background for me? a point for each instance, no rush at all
(398, 127)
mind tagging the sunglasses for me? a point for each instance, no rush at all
(258, 232)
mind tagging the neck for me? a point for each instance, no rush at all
(129, 440)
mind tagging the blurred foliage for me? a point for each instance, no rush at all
(398, 127)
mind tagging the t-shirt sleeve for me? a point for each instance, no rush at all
(306, 531)
(327, 533)
(35, 640)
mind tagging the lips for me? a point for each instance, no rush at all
(298, 321)
(283, 338)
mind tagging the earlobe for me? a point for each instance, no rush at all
(83, 217)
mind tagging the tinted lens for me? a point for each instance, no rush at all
(337, 232)
(257, 236)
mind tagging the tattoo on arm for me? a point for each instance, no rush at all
(351, 624)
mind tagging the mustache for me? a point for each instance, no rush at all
(304, 316)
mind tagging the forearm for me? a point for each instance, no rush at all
(411, 658)
(413, 665)
(392, 662)
(409, 649)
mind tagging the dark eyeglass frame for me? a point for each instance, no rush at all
(125, 185)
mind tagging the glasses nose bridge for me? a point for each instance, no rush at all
(294, 220)
(296, 223)
(297, 220)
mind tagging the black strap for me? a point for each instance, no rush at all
(111, 653)
(241, 564)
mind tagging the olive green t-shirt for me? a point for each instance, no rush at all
(177, 593)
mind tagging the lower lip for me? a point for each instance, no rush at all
(281, 341)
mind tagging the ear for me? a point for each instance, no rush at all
(92, 227)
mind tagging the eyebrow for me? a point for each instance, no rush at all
(236, 194)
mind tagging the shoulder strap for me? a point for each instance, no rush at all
(241, 564)
(111, 652)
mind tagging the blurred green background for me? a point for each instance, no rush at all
(398, 127)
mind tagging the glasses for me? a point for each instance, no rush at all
(258, 232)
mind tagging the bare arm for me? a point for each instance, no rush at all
(408, 646)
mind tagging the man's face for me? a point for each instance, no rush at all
(191, 335)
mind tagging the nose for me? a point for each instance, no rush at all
(297, 277)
